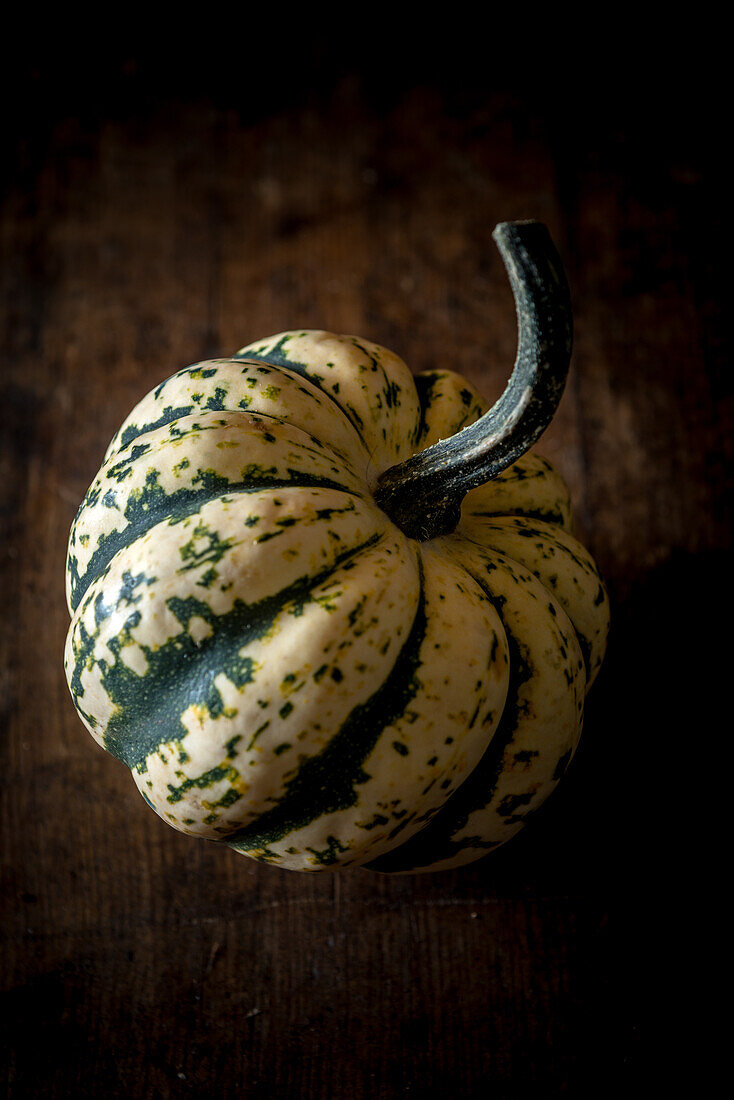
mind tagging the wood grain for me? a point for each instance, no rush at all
(153, 229)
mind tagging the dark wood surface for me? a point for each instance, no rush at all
(146, 226)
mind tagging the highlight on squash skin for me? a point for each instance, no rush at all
(283, 668)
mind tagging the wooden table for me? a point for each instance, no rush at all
(147, 226)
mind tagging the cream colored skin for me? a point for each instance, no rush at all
(325, 656)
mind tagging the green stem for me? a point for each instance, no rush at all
(423, 495)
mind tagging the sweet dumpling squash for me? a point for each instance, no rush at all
(331, 614)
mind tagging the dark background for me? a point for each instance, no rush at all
(163, 205)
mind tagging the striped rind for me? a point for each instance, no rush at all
(279, 666)
(562, 564)
(538, 733)
(370, 384)
(236, 385)
(171, 471)
(407, 741)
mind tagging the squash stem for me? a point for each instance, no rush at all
(423, 495)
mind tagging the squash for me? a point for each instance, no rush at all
(332, 615)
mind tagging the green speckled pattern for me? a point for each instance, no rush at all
(280, 667)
